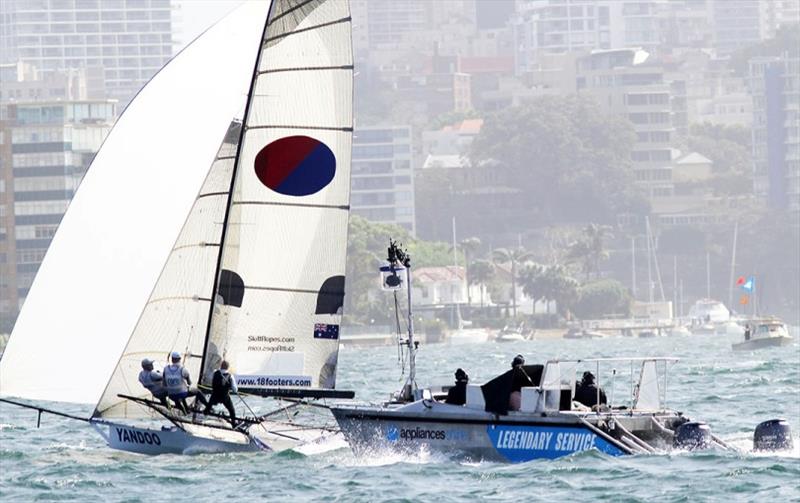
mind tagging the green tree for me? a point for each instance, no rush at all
(571, 157)
(550, 283)
(366, 252)
(590, 249)
(729, 148)
(481, 273)
(513, 256)
(601, 298)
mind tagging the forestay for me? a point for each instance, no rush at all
(120, 227)
(175, 316)
(281, 283)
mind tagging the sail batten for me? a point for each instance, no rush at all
(281, 279)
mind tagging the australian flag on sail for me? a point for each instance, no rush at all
(325, 331)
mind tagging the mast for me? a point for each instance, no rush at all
(228, 206)
(674, 284)
(633, 266)
(708, 275)
(733, 265)
(397, 257)
(649, 256)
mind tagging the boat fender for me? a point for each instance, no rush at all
(692, 435)
(773, 435)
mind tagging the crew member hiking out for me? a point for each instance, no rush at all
(177, 381)
(153, 381)
(222, 385)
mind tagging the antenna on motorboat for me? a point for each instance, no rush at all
(399, 258)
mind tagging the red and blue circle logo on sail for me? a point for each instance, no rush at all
(295, 166)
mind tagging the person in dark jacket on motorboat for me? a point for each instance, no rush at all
(586, 391)
(457, 395)
(520, 380)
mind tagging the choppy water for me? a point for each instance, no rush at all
(733, 391)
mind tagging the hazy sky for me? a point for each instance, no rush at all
(194, 16)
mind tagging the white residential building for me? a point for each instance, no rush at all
(382, 179)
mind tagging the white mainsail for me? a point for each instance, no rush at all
(175, 316)
(281, 283)
(121, 226)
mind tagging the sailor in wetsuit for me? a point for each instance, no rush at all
(586, 391)
(153, 381)
(222, 385)
(457, 395)
(520, 380)
(177, 382)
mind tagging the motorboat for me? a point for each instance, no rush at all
(709, 311)
(548, 423)
(532, 411)
(511, 334)
(764, 333)
(582, 333)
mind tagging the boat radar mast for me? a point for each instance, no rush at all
(399, 259)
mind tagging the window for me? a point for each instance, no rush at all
(637, 99)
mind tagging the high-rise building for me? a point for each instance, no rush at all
(775, 85)
(130, 40)
(382, 181)
(737, 24)
(558, 26)
(627, 83)
(45, 149)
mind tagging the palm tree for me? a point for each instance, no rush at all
(590, 249)
(596, 236)
(532, 276)
(481, 272)
(469, 246)
(514, 256)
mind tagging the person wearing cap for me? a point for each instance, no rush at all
(177, 381)
(586, 391)
(222, 385)
(520, 380)
(457, 395)
(153, 381)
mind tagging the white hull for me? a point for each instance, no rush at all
(509, 338)
(468, 336)
(764, 342)
(198, 439)
(172, 440)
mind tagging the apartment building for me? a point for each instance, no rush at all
(382, 179)
(46, 149)
(128, 40)
(775, 86)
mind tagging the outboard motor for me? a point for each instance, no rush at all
(773, 435)
(692, 436)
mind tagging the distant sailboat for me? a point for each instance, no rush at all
(256, 273)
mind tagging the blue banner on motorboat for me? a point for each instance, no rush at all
(524, 443)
